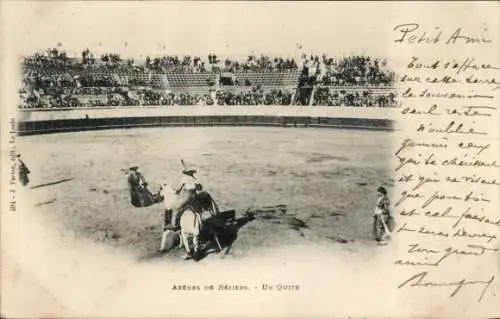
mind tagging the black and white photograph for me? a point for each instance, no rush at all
(248, 159)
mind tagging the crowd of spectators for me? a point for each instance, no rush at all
(148, 97)
(326, 96)
(174, 64)
(354, 71)
(52, 79)
(257, 64)
(115, 97)
(255, 96)
(52, 59)
(56, 59)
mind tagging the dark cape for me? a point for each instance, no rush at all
(140, 195)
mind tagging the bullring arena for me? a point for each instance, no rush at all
(304, 185)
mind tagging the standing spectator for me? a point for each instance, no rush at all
(23, 171)
(383, 221)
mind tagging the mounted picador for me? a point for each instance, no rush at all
(185, 203)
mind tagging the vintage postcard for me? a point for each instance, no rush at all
(250, 159)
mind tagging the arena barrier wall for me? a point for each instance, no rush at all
(43, 121)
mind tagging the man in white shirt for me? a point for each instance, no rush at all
(186, 192)
(183, 196)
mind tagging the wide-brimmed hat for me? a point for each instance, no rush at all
(189, 172)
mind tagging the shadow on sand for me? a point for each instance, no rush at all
(52, 183)
(53, 200)
(222, 230)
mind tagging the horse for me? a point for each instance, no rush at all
(191, 226)
(190, 219)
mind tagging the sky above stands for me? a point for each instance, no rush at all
(234, 28)
(200, 27)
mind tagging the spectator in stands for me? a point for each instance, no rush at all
(51, 79)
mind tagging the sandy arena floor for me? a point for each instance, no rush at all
(323, 180)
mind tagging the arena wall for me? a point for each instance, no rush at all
(42, 121)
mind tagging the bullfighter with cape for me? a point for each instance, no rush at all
(140, 196)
